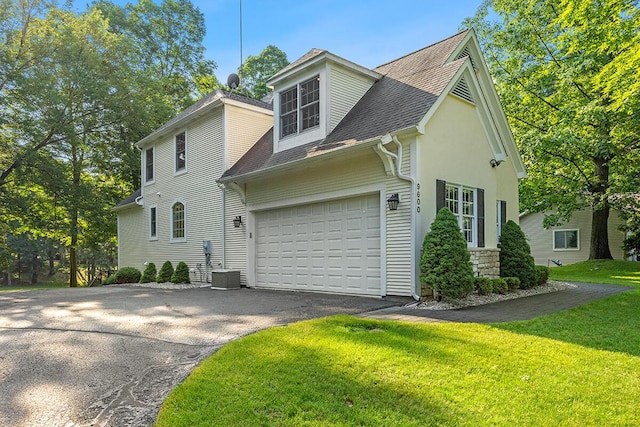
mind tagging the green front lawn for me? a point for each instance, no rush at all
(610, 272)
(37, 286)
(576, 368)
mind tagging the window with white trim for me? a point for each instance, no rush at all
(461, 201)
(148, 165)
(181, 151)
(300, 107)
(566, 240)
(178, 228)
(153, 222)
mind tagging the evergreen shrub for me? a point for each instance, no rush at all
(445, 264)
(542, 274)
(515, 256)
(128, 275)
(181, 275)
(500, 286)
(150, 273)
(165, 273)
(483, 285)
(513, 283)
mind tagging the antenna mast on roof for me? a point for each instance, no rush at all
(240, 71)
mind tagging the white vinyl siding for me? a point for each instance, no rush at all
(345, 90)
(243, 128)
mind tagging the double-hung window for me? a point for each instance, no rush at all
(300, 107)
(153, 222)
(181, 152)
(461, 201)
(148, 165)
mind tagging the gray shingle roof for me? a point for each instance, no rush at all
(130, 200)
(399, 100)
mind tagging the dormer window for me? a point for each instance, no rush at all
(300, 107)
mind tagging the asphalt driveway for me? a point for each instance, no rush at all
(109, 356)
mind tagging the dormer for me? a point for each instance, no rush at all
(312, 95)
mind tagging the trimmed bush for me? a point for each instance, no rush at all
(109, 280)
(513, 283)
(515, 256)
(181, 275)
(150, 273)
(165, 273)
(482, 285)
(445, 266)
(500, 286)
(128, 275)
(542, 274)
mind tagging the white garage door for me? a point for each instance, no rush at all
(329, 247)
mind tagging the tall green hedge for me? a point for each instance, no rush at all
(165, 273)
(445, 265)
(181, 275)
(515, 256)
(149, 274)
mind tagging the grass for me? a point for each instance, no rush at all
(580, 367)
(609, 272)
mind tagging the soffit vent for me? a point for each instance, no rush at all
(466, 52)
(462, 90)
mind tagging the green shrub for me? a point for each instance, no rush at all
(483, 285)
(513, 283)
(109, 280)
(542, 274)
(500, 286)
(165, 273)
(181, 275)
(445, 265)
(515, 256)
(128, 275)
(150, 273)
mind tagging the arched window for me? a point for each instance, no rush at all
(177, 221)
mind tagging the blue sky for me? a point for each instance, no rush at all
(368, 33)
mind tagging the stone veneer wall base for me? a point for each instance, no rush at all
(486, 262)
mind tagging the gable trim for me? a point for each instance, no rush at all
(484, 114)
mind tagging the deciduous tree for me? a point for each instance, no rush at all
(566, 72)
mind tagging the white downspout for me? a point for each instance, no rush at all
(398, 173)
(224, 228)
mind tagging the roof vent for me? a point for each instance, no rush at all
(466, 52)
(461, 90)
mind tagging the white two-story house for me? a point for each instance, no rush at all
(339, 188)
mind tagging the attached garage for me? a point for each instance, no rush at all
(331, 246)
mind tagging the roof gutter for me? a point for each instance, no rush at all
(397, 171)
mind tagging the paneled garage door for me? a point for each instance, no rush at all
(330, 247)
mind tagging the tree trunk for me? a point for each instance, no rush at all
(35, 269)
(600, 234)
(600, 216)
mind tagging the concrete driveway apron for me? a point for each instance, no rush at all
(109, 356)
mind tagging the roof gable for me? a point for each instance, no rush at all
(402, 100)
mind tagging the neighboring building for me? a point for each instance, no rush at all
(313, 192)
(571, 242)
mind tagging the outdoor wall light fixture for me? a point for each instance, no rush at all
(495, 163)
(393, 202)
(237, 221)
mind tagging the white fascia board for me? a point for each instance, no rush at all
(323, 57)
(492, 99)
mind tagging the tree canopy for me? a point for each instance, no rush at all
(77, 90)
(256, 70)
(566, 72)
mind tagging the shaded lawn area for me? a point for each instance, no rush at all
(580, 367)
(37, 286)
